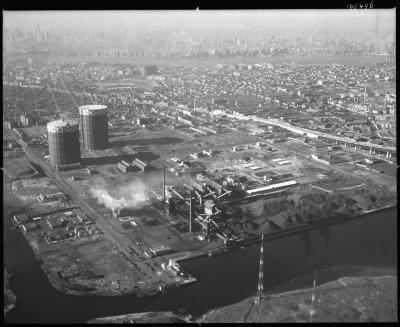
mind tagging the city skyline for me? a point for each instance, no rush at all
(154, 21)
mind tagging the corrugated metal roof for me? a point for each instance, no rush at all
(270, 187)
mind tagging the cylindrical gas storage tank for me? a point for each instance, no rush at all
(64, 147)
(94, 127)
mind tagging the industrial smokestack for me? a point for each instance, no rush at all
(164, 196)
(190, 212)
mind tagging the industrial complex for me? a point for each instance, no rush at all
(124, 183)
(200, 166)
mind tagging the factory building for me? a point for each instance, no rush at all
(210, 182)
(94, 127)
(198, 185)
(64, 147)
(27, 120)
(125, 167)
(143, 166)
(272, 187)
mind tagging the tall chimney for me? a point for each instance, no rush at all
(190, 212)
(164, 197)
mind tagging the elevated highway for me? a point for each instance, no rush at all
(315, 134)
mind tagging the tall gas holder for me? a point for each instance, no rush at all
(64, 146)
(94, 127)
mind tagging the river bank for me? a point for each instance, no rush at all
(86, 281)
(144, 318)
(212, 63)
(10, 298)
(370, 295)
(348, 299)
(228, 278)
(190, 255)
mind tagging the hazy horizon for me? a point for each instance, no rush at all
(153, 21)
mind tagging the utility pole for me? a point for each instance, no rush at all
(312, 312)
(260, 289)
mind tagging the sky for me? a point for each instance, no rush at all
(236, 19)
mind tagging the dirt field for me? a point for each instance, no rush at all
(380, 179)
(29, 189)
(34, 131)
(349, 299)
(338, 182)
(14, 165)
(97, 267)
(141, 83)
(143, 318)
(369, 296)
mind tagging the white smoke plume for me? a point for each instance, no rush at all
(133, 195)
(104, 198)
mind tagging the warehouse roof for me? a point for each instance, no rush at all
(271, 187)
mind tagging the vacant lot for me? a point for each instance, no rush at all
(139, 82)
(30, 189)
(349, 299)
(97, 268)
(34, 131)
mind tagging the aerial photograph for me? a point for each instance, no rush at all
(199, 166)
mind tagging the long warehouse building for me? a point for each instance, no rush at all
(272, 187)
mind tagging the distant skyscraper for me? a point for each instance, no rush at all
(377, 24)
(64, 147)
(94, 127)
(38, 33)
